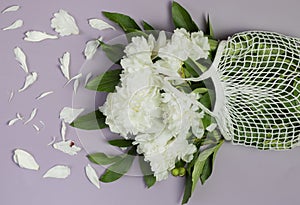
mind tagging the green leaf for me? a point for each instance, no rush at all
(121, 142)
(92, 121)
(103, 159)
(207, 169)
(187, 189)
(113, 52)
(124, 21)
(200, 164)
(205, 100)
(192, 67)
(149, 177)
(200, 90)
(106, 82)
(182, 18)
(147, 27)
(209, 29)
(117, 170)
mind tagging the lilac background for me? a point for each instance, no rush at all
(241, 175)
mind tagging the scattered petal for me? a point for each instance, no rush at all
(63, 130)
(21, 58)
(44, 94)
(53, 140)
(25, 160)
(13, 121)
(92, 175)
(42, 123)
(64, 65)
(36, 127)
(67, 147)
(100, 24)
(76, 85)
(68, 114)
(32, 115)
(11, 8)
(91, 48)
(30, 79)
(14, 25)
(211, 127)
(36, 36)
(58, 171)
(74, 78)
(64, 24)
(87, 78)
(11, 96)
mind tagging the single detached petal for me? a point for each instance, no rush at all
(11, 8)
(30, 79)
(25, 160)
(14, 25)
(64, 24)
(91, 48)
(87, 78)
(100, 24)
(58, 171)
(36, 127)
(21, 58)
(211, 127)
(11, 96)
(53, 140)
(36, 36)
(64, 64)
(63, 130)
(32, 115)
(74, 78)
(67, 147)
(92, 175)
(69, 114)
(13, 121)
(44, 94)
(76, 85)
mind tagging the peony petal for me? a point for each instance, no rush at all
(53, 140)
(92, 175)
(64, 24)
(68, 114)
(36, 127)
(74, 78)
(30, 79)
(36, 36)
(64, 64)
(91, 48)
(63, 130)
(87, 78)
(58, 171)
(13, 121)
(21, 58)
(76, 85)
(32, 115)
(100, 24)
(11, 8)
(14, 25)
(67, 147)
(25, 160)
(11, 96)
(44, 94)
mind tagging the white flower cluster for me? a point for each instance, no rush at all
(144, 109)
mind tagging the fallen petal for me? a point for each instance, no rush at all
(36, 36)
(58, 171)
(67, 147)
(21, 58)
(32, 115)
(74, 78)
(76, 85)
(14, 25)
(91, 48)
(11, 8)
(68, 114)
(36, 127)
(13, 121)
(92, 175)
(53, 140)
(100, 24)
(44, 94)
(11, 96)
(25, 160)
(30, 79)
(63, 130)
(64, 65)
(87, 78)
(64, 24)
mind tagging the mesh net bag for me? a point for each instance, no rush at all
(257, 81)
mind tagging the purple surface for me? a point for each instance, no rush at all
(241, 175)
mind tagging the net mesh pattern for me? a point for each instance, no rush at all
(260, 75)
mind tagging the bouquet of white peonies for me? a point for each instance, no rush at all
(176, 97)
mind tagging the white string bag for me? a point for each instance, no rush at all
(257, 82)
